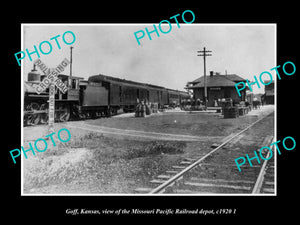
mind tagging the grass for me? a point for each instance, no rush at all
(178, 123)
(155, 148)
(105, 164)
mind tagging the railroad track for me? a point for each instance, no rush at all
(265, 181)
(216, 173)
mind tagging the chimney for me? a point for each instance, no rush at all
(34, 76)
(211, 73)
(34, 69)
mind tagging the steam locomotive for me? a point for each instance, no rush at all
(98, 96)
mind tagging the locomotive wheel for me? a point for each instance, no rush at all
(26, 120)
(32, 119)
(108, 112)
(82, 115)
(62, 113)
(114, 111)
(93, 115)
(44, 116)
(87, 115)
(35, 119)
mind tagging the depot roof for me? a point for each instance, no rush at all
(217, 81)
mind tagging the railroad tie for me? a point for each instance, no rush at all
(267, 141)
(191, 159)
(186, 191)
(271, 183)
(142, 190)
(268, 190)
(157, 181)
(235, 187)
(172, 171)
(163, 176)
(185, 162)
(178, 167)
(225, 181)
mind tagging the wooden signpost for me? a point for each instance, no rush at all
(51, 80)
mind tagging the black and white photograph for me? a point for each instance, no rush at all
(170, 115)
(132, 112)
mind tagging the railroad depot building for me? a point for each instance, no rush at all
(268, 96)
(218, 87)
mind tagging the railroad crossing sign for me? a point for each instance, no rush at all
(51, 76)
(51, 80)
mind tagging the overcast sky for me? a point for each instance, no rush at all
(169, 60)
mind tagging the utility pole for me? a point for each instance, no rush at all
(71, 61)
(205, 88)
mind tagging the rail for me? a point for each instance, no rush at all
(260, 178)
(161, 187)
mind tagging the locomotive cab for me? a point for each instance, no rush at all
(73, 87)
(72, 94)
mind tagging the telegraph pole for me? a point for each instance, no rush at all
(71, 61)
(204, 54)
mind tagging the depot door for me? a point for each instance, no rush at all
(212, 95)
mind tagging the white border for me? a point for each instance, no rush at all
(142, 24)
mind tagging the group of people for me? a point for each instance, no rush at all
(144, 108)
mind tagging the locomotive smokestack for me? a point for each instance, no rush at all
(33, 75)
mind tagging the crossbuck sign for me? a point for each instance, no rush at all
(51, 80)
(51, 76)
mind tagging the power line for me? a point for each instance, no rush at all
(204, 54)
(71, 61)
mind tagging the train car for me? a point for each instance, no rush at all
(157, 94)
(121, 93)
(125, 93)
(173, 98)
(177, 98)
(164, 97)
(93, 99)
(185, 99)
(184, 96)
